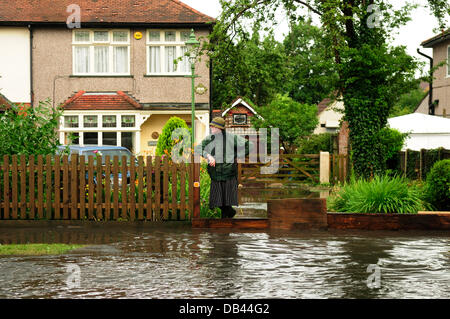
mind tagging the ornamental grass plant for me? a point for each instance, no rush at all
(382, 194)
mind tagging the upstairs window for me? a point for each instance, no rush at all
(101, 52)
(163, 48)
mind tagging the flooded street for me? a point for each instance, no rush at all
(185, 263)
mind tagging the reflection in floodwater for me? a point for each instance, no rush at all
(185, 263)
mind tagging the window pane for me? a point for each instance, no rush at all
(239, 119)
(120, 36)
(90, 138)
(127, 140)
(71, 121)
(185, 35)
(170, 57)
(154, 36)
(183, 65)
(110, 138)
(82, 36)
(101, 59)
(100, 36)
(170, 36)
(109, 121)
(81, 59)
(75, 138)
(155, 59)
(90, 120)
(121, 59)
(128, 120)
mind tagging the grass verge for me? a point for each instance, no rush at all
(36, 249)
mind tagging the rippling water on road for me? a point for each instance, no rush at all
(189, 263)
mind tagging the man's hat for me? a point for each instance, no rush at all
(218, 122)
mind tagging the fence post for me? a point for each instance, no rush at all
(196, 190)
(324, 167)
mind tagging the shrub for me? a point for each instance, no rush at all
(391, 141)
(165, 141)
(437, 187)
(382, 194)
(29, 130)
(316, 143)
(205, 183)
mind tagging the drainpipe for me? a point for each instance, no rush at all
(431, 104)
(31, 65)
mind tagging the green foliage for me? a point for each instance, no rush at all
(29, 131)
(408, 102)
(382, 194)
(438, 185)
(205, 184)
(165, 140)
(391, 142)
(248, 66)
(294, 120)
(310, 59)
(372, 75)
(316, 143)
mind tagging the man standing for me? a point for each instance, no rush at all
(222, 149)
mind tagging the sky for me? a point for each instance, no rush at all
(411, 35)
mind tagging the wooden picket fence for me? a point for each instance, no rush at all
(56, 188)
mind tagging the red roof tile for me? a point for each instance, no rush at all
(101, 11)
(4, 102)
(101, 101)
(323, 105)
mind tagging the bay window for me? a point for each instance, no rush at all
(163, 48)
(101, 52)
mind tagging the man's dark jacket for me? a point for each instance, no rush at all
(226, 166)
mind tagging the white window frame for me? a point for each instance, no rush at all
(162, 44)
(110, 44)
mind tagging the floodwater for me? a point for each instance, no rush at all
(186, 263)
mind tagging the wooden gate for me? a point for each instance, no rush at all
(292, 168)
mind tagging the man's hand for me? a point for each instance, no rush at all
(211, 161)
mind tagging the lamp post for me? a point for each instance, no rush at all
(191, 44)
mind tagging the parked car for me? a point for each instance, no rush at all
(101, 151)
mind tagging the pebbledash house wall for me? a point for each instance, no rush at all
(441, 82)
(53, 78)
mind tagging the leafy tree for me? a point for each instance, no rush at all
(408, 102)
(311, 62)
(372, 74)
(250, 66)
(294, 120)
(29, 131)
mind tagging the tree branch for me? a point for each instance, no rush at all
(309, 7)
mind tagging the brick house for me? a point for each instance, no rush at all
(441, 83)
(238, 117)
(115, 76)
